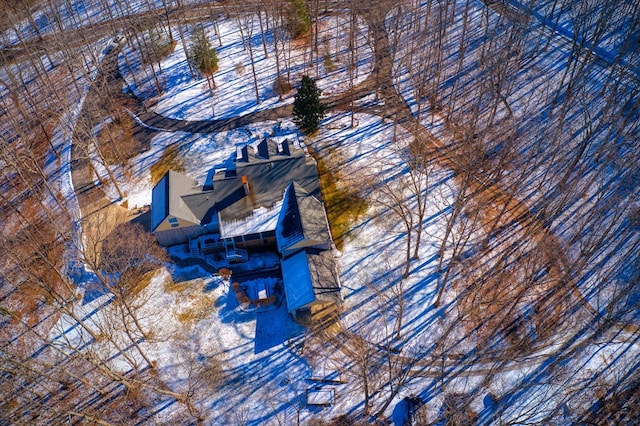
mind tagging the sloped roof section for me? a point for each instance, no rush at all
(290, 230)
(256, 185)
(324, 276)
(298, 284)
(303, 222)
(310, 276)
(312, 215)
(160, 202)
(167, 198)
(181, 186)
(267, 181)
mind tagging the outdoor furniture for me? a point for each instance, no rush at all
(320, 396)
(225, 273)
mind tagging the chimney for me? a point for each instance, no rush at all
(262, 150)
(284, 147)
(245, 185)
(242, 153)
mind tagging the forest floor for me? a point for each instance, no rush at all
(502, 209)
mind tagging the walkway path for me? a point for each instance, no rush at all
(90, 197)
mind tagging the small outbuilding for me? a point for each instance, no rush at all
(321, 396)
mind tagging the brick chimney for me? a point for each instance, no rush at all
(245, 185)
(242, 153)
(262, 149)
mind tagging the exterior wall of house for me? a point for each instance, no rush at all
(172, 222)
(256, 240)
(178, 235)
(320, 245)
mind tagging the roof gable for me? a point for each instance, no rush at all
(303, 222)
(166, 198)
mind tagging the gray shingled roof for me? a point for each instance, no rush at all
(303, 222)
(167, 198)
(267, 180)
(324, 276)
(268, 175)
(181, 186)
(312, 215)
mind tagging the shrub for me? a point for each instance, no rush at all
(157, 47)
(172, 159)
(344, 205)
(200, 308)
(116, 140)
(281, 86)
(161, 49)
(329, 65)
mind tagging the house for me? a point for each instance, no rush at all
(268, 196)
(242, 199)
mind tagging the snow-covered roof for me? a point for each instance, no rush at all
(261, 220)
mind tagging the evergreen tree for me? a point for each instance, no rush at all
(203, 55)
(307, 109)
(298, 21)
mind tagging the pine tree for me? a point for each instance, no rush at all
(307, 109)
(298, 21)
(203, 55)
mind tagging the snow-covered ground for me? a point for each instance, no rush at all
(253, 344)
(524, 126)
(188, 97)
(196, 320)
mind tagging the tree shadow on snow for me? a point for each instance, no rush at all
(274, 328)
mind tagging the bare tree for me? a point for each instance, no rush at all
(127, 256)
(247, 21)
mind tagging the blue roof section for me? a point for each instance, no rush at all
(310, 276)
(298, 285)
